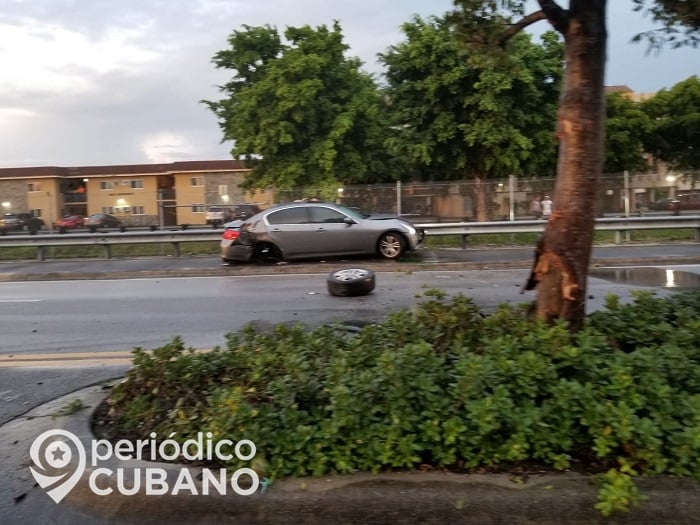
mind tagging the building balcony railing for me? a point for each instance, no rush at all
(75, 197)
(166, 195)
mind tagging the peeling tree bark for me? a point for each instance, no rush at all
(561, 268)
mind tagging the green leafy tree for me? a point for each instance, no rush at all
(563, 254)
(300, 111)
(626, 129)
(675, 132)
(457, 115)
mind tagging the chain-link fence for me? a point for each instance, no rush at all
(507, 199)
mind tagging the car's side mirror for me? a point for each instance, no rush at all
(349, 221)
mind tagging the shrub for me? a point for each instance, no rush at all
(446, 386)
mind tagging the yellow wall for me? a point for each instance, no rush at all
(121, 195)
(215, 187)
(187, 196)
(45, 199)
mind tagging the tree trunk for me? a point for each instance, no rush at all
(481, 199)
(561, 268)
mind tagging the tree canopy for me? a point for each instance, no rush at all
(627, 129)
(458, 113)
(675, 124)
(679, 22)
(300, 111)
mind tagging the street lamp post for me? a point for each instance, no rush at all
(51, 217)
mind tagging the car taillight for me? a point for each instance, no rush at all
(230, 235)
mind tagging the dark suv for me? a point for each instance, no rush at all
(683, 201)
(243, 211)
(101, 220)
(19, 222)
(217, 215)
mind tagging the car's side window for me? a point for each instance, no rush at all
(289, 216)
(323, 214)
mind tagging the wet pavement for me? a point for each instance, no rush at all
(674, 278)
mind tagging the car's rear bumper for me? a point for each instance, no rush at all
(237, 253)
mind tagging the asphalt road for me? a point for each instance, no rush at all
(117, 304)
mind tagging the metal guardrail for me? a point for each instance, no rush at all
(619, 225)
(109, 238)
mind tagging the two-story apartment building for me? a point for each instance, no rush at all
(140, 194)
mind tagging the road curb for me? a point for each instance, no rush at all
(322, 268)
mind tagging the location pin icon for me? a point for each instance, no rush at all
(59, 461)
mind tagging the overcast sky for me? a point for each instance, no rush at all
(95, 82)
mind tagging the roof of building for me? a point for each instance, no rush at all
(123, 169)
(618, 89)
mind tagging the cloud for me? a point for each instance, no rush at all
(43, 58)
(88, 82)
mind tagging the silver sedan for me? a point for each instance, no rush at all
(304, 230)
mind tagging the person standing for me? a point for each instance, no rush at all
(535, 207)
(546, 207)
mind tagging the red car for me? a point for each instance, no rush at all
(69, 222)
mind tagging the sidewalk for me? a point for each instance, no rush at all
(389, 498)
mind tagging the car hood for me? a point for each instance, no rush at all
(386, 216)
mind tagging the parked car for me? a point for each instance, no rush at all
(101, 220)
(243, 211)
(218, 215)
(682, 201)
(69, 222)
(686, 201)
(20, 221)
(318, 229)
(215, 215)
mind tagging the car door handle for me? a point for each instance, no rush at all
(321, 229)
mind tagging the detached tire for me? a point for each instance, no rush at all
(350, 282)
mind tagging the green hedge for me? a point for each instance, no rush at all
(444, 385)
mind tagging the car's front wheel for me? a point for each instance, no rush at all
(350, 282)
(391, 245)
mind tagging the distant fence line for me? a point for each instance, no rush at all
(507, 199)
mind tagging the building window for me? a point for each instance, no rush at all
(105, 185)
(137, 210)
(199, 208)
(36, 212)
(108, 210)
(33, 186)
(136, 184)
(196, 181)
